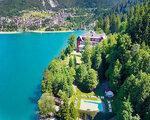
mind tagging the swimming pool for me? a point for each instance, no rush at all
(91, 105)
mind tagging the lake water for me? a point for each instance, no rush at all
(23, 58)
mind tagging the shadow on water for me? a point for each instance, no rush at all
(36, 95)
(34, 100)
(34, 117)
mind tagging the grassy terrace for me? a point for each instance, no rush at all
(78, 95)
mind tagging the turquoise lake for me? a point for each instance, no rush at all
(23, 58)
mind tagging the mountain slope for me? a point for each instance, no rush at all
(13, 7)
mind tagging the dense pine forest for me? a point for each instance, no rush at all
(123, 60)
(135, 22)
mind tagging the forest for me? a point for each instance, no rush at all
(123, 60)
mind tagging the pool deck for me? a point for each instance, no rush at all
(91, 105)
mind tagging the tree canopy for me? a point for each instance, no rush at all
(46, 104)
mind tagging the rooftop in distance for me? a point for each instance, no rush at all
(94, 38)
(92, 34)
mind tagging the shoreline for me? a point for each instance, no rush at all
(52, 31)
(17, 32)
(10, 32)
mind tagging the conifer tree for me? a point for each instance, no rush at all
(106, 25)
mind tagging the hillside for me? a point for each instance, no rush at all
(13, 7)
(57, 14)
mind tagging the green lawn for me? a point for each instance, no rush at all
(78, 95)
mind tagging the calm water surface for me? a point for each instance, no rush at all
(23, 58)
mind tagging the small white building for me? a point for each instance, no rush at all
(109, 94)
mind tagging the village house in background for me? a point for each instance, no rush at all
(94, 39)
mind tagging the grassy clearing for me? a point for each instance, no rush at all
(29, 14)
(78, 95)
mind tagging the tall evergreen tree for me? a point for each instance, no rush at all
(113, 23)
(106, 25)
(64, 109)
(96, 57)
(126, 111)
(73, 112)
(115, 76)
(46, 104)
(87, 53)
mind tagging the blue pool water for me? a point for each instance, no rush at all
(23, 58)
(99, 105)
